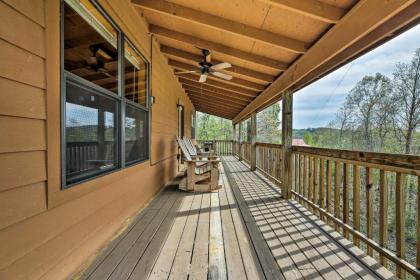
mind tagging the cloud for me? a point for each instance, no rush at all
(316, 104)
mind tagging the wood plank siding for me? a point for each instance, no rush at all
(46, 232)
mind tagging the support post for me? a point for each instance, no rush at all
(286, 136)
(240, 141)
(253, 141)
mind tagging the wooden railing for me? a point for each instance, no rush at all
(362, 194)
(269, 160)
(221, 147)
(245, 150)
(353, 191)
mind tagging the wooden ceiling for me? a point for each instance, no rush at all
(273, 45)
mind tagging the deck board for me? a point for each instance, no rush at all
(243, 231)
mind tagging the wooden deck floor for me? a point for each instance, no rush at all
(244, 231)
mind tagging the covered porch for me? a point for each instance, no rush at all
(244, 231)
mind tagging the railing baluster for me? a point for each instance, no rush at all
(316, 184)
(400, 221)
(337, 187)
(346, 192)
(383, 214)
(301, 174)
(329, 185)
(305, 179)
(322, 184)
(310, 180)
(356, 203)
(369, 208)
(296, 172)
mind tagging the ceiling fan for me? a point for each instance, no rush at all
(97, 61)
(206, 68)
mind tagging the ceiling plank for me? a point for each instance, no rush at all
(223, 24)
(216, 95)
(210, 104)
(234, 69)
(310, 8)
(358, 22)
(228, 117)
(184, 66)
(222, 85)
(201, 106)
(212, 46)
(214, 112)
(215, 100)
(209, 88)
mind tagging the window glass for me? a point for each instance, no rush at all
(91, 121)
(135, 88)
(135, 134)
(90, 45)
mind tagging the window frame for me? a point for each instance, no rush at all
(119, 97)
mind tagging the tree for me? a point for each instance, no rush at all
(365, 101)
(213, 128)
(407, 93)
(268, 124)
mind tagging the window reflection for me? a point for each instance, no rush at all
(90, 45)
(135, 134)
(90, 133)
(135, 76)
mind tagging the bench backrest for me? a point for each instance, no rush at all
(190, 146)
(184, 149)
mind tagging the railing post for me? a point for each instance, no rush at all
(253, 159)
(240, 141)
(286, 135)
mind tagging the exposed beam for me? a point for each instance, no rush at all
(201, 43)
(311, 8)
(222, 24)
(200, 86)
(234, 69)
(358, 22)
(214, 101)
(215, 95)
(188, 67)
(222, 85)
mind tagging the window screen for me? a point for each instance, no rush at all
(91, 122)
(135, 134)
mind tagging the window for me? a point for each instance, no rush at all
(105, 98)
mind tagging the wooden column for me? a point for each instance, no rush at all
(254, 141)
(286, 136)
(240, 141)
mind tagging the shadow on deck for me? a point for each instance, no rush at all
(244, 231)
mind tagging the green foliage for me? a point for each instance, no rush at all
(213, 128)
(307, 137)
(269, 125)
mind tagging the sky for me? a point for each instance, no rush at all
(316, 104)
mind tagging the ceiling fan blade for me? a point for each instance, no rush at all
(220, 66)
(222, 75)
(186, 72)
(203, 78)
